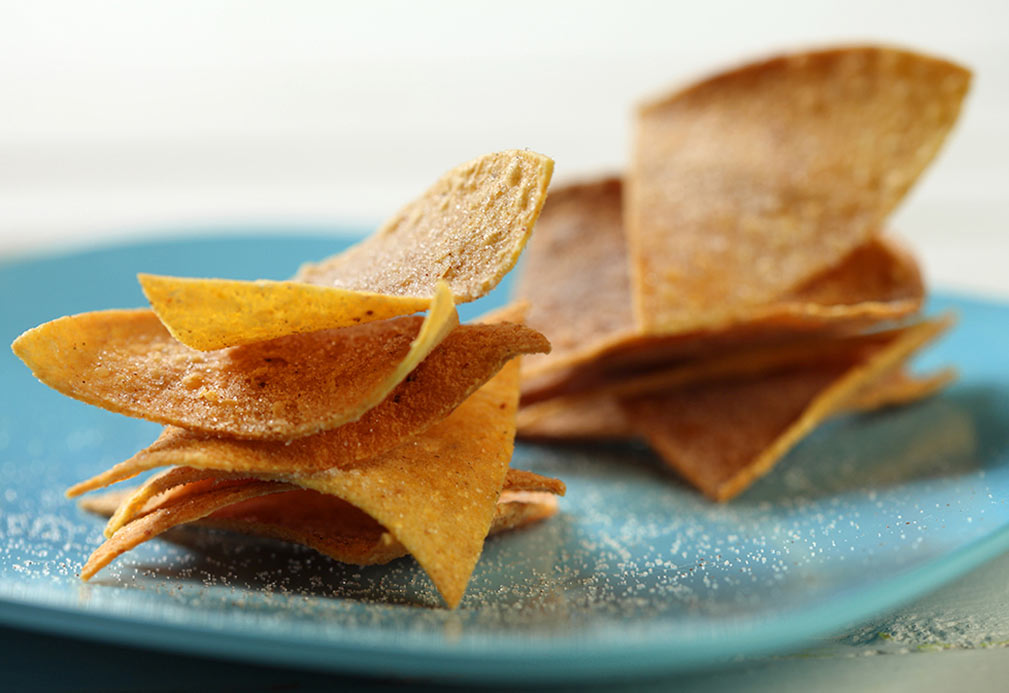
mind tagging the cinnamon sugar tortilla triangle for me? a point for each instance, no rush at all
(575, 278)
(468, 230)
(723, 436)
(746, 185)
(286, 388)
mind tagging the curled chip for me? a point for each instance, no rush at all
(210, 314)
(468, 230)
(325, 523)
(722, 436)
(465, 360)
(286, 388)
(576, 279)
(746, 185)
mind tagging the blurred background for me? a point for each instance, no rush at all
(120, 120)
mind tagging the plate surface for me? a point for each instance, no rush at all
(637, 575)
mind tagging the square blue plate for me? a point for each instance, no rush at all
(637, 575)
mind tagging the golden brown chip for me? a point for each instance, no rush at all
(325, 523)
(722, 436)
(575, 278)
(899, 387)
(467, 358)
(436, 493)
(126, 362)
(468, 230)
(210, 314)
(746, 185)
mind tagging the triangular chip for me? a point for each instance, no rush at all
(468, 229)
(126, 362)
(575, 277)
(465, 360)
(325, 523)
(436, 493)
(746, 185)
(722, 436)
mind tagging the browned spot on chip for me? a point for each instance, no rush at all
(722, 436)
(466, 359)
(748, 184)
(575, 278)
(126, 362)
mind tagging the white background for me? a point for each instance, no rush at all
(119, 119)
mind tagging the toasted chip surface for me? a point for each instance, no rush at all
(286, 388)
(722, 436)
(746, 185)
(208, 314)
(466, 359)
(467, 229)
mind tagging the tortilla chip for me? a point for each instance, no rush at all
(468, 357)
(327, 524)
(436, 493)
(208, 314)
(468, 230)
(748, 184)
(575, 277)
(723, 436)
(898, 388)
(286, 388)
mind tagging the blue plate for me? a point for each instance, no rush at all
(637, 575)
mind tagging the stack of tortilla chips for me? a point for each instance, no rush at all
(318, 410)
(737, 287)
